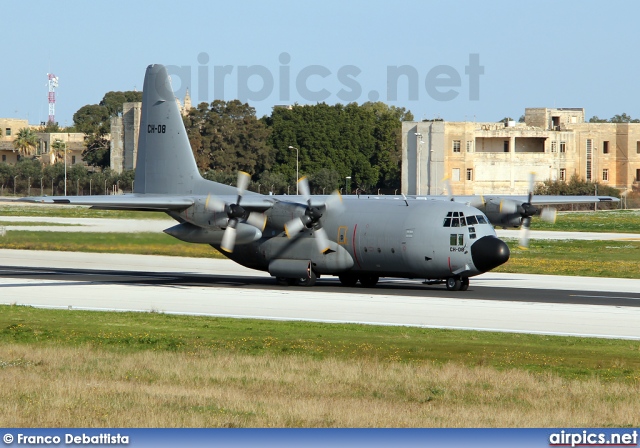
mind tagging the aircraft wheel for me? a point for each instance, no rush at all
(307, 281)
(453, 284)
(285, 281)
(369, 281)
(348, 279)
(464, 284)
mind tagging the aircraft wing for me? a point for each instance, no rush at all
(536, 200)
(145, 202)
(150, 202)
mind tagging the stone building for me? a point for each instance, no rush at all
(10, 127)
(483, 158)
(125, 131)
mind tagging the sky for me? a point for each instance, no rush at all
(458, 61)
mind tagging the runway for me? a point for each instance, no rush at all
(578, 306)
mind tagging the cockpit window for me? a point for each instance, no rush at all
(471, 220)
(481, 219)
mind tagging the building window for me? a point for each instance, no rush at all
(4, 157)
(469, 174)
(605, 174)
(638, 175)
(469, 146)
(563, 174)
(554, 146)
(73, 160)
(456, 146)
(638, 147)
(455, 175)
(589, 159)
(506, 146)
(605, 147)
(563, 146)
(7, 132)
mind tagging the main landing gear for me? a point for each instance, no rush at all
(457, 283)
(366, 281)
(303, 281)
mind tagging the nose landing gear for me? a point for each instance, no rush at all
(457, 283)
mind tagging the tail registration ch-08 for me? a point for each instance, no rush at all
(156, 129)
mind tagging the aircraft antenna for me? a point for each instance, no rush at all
(53, 85)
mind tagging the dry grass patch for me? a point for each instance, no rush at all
(90, 387)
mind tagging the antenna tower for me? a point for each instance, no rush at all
(53, 85)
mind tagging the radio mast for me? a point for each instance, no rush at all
(53, 85)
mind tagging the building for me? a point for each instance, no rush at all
(483, 158)
(125, 131)
(73, 141)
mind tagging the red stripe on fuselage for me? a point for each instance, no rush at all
(354, 245)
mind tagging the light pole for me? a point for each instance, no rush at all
(346, 184)
(431, 160)
(419, 143)
(29, 187)
(297, 174)
(65, 168)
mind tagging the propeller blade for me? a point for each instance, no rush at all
(508, 206)
(303, 186)
(228, 239)
(334, 202)
(214, 204)
(322, 240)
(478, 202)
(293, 227)
(549, 214)
(258, 220)
(524, 233)
(532, 179)
(447, 185)
(243, 183)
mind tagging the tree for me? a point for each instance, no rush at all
(92, 119)
(97, 151)
(505, 120)
(113, 101)
(624, 118)
(58, 148)
(26, 142)
(226, 136)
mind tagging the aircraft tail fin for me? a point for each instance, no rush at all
(165, 162)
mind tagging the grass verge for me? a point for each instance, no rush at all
(75, 368)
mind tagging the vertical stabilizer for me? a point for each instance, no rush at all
(165, 163)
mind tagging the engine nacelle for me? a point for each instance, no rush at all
(193, 234)
(283, 212)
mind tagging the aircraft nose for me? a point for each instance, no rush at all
(489, 252)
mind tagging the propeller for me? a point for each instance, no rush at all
(235, 213)
(312, 215)
(547, 214)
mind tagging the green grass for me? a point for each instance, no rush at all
(568, 357)
(614, 221)
(616, 259)
(31, 223)
(145, 243)
(74, 211)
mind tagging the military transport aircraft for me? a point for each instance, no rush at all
(296, 238)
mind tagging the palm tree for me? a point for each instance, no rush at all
(58, 148)
(26, 142)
